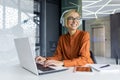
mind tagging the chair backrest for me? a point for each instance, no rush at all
(93, 57)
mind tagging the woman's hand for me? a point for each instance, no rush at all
(53, 63)
(40, 59)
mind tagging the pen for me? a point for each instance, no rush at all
(105, 66)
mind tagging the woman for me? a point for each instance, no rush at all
(73, 47)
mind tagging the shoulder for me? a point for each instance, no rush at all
(84, 35)
(83, 32)
(63, 36)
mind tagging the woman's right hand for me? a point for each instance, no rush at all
(40, 59)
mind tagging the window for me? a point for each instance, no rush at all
(15, 21)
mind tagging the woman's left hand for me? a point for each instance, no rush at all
(53, 63)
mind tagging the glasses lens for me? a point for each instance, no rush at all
(78, 18)
(71, 18)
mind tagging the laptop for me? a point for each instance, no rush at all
(27, 58)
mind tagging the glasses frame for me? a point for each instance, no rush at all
(72, 18)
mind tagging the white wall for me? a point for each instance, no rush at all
(106, 22)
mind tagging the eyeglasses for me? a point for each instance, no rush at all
(72, 18)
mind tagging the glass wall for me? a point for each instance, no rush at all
(16, 20)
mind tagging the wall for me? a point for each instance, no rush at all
(52, 27)
(106, 22)
(115, 35)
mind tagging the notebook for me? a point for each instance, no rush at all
(105, 68)
(27, 60)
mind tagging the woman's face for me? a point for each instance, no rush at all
(73, 21)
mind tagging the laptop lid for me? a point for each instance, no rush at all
(27, 59)
(25, 55)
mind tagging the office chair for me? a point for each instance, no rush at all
(93, 57)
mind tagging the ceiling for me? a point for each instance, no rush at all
(99, 8)
(90, 8)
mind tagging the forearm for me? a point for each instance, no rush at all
(77, 62)
(56, 57)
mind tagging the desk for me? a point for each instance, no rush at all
(13, 71)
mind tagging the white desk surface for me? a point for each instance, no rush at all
(13, 71)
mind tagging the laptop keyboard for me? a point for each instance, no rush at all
(42, 68)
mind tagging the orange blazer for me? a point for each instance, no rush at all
(73, 50)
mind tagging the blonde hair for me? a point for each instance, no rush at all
(66, 15)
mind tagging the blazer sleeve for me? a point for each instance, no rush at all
(84, 53)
